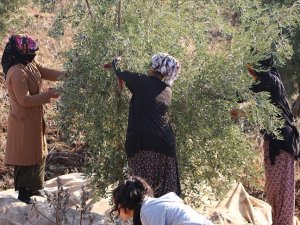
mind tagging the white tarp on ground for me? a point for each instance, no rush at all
(15, 212)
(237, 208)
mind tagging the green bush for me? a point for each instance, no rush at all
(8, 8)
(212, 40)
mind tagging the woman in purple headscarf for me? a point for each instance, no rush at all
(150, 141)
(26, 147)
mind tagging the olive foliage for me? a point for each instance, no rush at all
(213, 42)
(8, 8)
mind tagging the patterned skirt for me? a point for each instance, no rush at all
(280, 186)
(159, 170)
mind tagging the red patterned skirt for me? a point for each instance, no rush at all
(280, 186)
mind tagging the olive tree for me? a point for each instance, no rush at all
(7, 14)
(213, 42)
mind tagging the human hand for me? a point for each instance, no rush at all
(63, 76)
(53, 93)
(107, 66)
(252, 71)
(115, 61)
(237, 113)
(117, 58)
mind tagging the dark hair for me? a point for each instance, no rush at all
(11, 56)
(130, 195)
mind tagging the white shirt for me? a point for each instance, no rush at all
(169, 209)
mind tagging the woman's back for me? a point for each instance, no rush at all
(148, 122)
(151, 98)
(169, 209)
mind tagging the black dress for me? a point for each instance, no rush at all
(150, 142)
(270, 81)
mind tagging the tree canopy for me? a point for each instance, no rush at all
(7, 9)
(213, 42)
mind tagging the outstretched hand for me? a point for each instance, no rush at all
(53, 93)
(115, 60)
(237, 113)
(63, 76)
(107, 66)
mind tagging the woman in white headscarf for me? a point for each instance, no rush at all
(150, 141)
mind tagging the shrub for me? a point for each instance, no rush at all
(212, 40)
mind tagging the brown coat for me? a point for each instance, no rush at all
(26, 143)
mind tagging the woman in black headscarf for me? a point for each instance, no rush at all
(279, 155)
(26, 147)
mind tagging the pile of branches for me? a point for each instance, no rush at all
(63, 159)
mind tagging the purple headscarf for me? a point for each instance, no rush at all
(19, 49)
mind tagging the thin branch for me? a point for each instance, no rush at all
(119, 6)
(89, 8)
(180, 3)
(119, 15)
(29, 220)
(43, 215)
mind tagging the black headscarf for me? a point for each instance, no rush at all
(14, 54)
(270, 81)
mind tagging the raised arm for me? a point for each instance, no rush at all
(49, 74)
(18, 79)
(266, 82)
(128, 77)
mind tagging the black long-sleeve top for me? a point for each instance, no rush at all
(270, 81)
(148, 123)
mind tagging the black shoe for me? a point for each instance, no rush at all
(24, 196)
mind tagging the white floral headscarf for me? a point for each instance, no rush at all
(167, 65)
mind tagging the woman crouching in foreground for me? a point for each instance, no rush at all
(134, 199)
